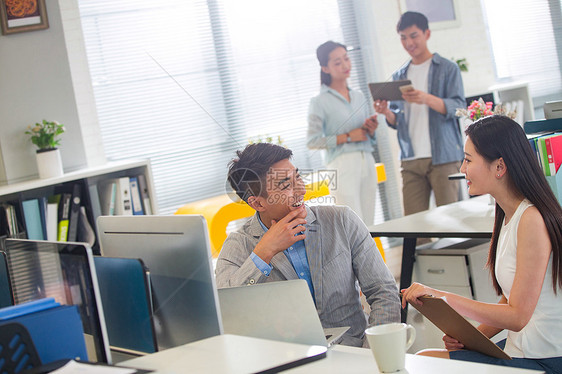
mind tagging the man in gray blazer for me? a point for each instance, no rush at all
(328, 246)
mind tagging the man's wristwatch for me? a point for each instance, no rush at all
(348, 138)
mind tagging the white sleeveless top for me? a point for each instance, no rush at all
(542, 336)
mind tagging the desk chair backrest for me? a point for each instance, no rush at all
(17, 351)
(125, 294)
(6, 295)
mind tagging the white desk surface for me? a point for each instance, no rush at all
(472, 218)
(226, 354)
(342, 359)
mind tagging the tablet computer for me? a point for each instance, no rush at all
(453, 324)
(388, 90)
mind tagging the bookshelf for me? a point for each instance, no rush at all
(89, 181)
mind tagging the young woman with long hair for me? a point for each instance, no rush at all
(524, 258)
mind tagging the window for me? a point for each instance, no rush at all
(186, 83)
(526, 40)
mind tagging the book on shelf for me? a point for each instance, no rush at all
(145, 196)
(135, 196)
(548, 148)
(4, 226)
(52, 217)
(553, 146)
(115, 197)
(8, 221)
(63, 217)
(43, 214)
(74, 212)
(32, 219)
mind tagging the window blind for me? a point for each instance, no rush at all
(188, 83)
(526, 39)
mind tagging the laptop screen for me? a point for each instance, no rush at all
(65, 272)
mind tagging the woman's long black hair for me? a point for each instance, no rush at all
(499, 136)
(323, 55)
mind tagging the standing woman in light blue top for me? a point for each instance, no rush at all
(340, 123)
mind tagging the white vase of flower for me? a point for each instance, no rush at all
(49, 163)
(45, 136)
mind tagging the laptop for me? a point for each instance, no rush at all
(66, 272)
(281, 311)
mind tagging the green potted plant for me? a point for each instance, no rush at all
(46, 136)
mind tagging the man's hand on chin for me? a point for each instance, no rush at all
(282, 234)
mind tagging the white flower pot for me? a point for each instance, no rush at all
(49, 163)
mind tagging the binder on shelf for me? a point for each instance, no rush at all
(32, 218)
(542, 125)
(135, 196)
(554, 152)
(123, 204)
(52, 218)
(63, 217)
(145, 197)
(107, 194)
(47, 321)
(43, 214)
(543, 158)
(95, 203)
(74, 212)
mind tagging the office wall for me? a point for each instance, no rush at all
(36, 84)
(44, 75)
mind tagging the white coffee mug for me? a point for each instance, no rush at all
(389, 344)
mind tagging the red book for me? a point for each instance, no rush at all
(554, 152)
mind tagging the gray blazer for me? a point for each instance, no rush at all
(341, 253)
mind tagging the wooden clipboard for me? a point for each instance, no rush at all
(453, 324)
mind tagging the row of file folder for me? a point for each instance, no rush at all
(124, 196)
(55, 218)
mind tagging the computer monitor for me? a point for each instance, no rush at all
(66, 272)
(177, 251)
(552, 109)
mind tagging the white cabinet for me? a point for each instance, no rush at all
(458, 268)
(515, 94)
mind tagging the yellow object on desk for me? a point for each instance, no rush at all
(220, 210)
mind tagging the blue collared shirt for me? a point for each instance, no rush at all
(445, 82)
(296, 254)
(330, 114)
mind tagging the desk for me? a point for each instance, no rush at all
(342, 359)
(229, 354)
(472, 218)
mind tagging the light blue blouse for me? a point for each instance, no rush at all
(330, 114)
